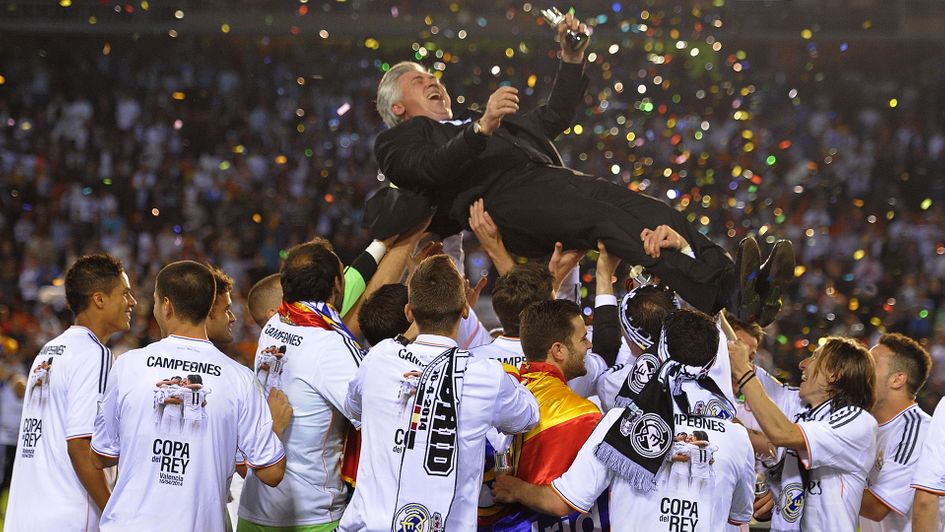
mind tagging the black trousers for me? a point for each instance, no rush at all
(543, 205)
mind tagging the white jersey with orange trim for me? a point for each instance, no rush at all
(472, 333)
(179, 469)
(899, 441)
(317, 366)
(840, 449)
(705, 497)
(930, 469)
(64, 385)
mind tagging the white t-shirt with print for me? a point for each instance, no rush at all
(491, 398)
(65, 382)
(707, 500)
(316, 368)
(899, 442)
(178, 471)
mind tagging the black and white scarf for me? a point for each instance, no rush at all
(429, 463)
(636, 446)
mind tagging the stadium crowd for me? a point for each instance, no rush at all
(157, 159)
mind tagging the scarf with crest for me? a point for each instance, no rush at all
(637, 444)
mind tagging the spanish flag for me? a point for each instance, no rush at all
(545, 452)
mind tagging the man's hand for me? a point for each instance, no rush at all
(606, 268)
(762, 507)
(430, 249)
(472, 292)
(567, 54)
(562, 262)
(504, 101)
(281, 411)
(489, 237)
(663, 236)
(740, 357)
(505, 488)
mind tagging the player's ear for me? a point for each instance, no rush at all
(408, 313)
(98, 299)
(465, 311)
(398, 109)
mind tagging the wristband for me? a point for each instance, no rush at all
(377, 249)
(742, 385)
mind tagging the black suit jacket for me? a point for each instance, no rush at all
(453, 166)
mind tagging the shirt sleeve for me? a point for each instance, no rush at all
(743, 498)
(845, 440)
(788, 398)
(586, 385)
(353, 399)
(105, 435)
(354, 288)
(609, 384)
(516, 409)
(255, 439)
(472, 333)
(587, 478)
(930, 469)
(87, 381)
(337, 366)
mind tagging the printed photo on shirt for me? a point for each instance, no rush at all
(179, 404)
(692, 458)
(269, 366)
(39, 380)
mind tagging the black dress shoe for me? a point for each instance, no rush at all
(747, 266)
(776, 273)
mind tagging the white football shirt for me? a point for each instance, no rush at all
(930, 469)
(840, 450)
(899, 442)
(64, 384)
(686, 498)
(316, 369)
(490, 399)
(179, 464)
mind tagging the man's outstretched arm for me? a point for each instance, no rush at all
(557, 114)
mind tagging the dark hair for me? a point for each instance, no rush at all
(856, 375)
(752, 328)
(195, 379)
(382, 313)
(516, 290)
(189, 286)
(649, 307)
(691, 337)
(89, 274)
(543, 324)
(310, 271)
(436, 294)
(266, 293)
(910, 358)
(224, 281)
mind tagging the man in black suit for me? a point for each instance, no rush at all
(509, 160)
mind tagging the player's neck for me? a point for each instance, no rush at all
(187, 329)
(99, 328)
(889, 407)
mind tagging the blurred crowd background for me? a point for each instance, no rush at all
(228, 143)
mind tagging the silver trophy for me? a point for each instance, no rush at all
(576, 40)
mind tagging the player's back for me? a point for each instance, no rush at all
(316, 365)
(489, 397)
(175, 462)
(63, 387)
